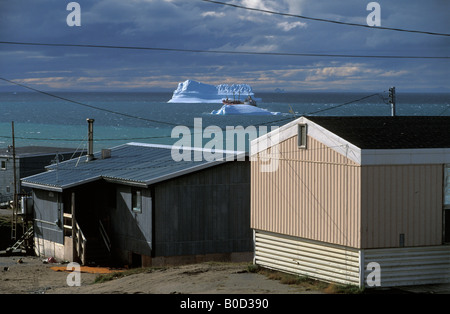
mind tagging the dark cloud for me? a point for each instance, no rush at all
(207, 26)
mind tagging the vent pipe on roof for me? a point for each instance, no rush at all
(106, 153)
(392, 100)
(90, 155)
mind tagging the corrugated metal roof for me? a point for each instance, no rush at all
(132, 163)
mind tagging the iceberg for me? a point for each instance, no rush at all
(195, 92)
(242, 110)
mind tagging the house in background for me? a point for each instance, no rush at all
(137, 204)
(30, 160)
(354, 200)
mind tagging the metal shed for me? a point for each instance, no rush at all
(152, 208)
(30, 160)
(331, 195)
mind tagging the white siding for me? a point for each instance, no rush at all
(344, 265)
(307, 258)
(411, 266)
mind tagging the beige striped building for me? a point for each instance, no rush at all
(330, 195)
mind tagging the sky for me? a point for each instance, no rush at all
(205, 26)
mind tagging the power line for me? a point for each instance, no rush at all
(78, 139)
(163, 122)
(89, 106)
(286, 54)
(326, 20)
(267, 123)
(341, 105)
(109, 111)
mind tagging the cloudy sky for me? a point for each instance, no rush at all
(200, 25)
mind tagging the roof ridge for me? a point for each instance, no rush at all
(193, 148)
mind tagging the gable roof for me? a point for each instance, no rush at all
(132, 164)
(372, 140)
(399, 132)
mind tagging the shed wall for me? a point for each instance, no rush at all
(7, 179)
(132, 231)
(48, 232)
(401, 199)
(205, 212)
(48, 216)
(313, 193)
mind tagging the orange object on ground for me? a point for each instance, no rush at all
(88, 269)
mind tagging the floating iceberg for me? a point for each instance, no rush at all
(242, 109)
(195, 92)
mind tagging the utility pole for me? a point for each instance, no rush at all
(14, 215)
(392, 100)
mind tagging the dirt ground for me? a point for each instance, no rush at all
(30, 275)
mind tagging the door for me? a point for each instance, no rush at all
(446, 214)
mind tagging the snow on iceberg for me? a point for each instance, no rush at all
(195, 92)
(242, 109)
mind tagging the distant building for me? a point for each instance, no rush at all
(136, 205)
(30, 160)
(354, 199)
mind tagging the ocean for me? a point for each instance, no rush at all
(43, 120)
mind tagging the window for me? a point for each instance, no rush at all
(3, 165)
(301, 137)
(136, 200)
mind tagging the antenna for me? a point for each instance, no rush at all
(291, 111)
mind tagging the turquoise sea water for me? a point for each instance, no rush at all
(42, 120)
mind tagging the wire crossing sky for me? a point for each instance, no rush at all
(224, 51)
(157, 122)
(326, 20)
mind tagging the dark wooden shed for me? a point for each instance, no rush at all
(136, 204)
